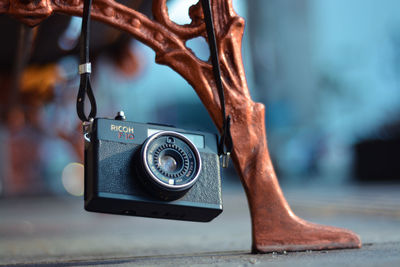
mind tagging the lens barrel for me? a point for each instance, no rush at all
(170, 164)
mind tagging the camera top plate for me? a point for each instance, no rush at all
(137, 133)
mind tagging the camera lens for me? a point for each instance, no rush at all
(171, 163)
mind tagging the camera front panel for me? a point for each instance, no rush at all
(113, 185)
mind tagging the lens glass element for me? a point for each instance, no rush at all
(168, 163)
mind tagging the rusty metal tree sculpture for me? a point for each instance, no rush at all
(274, 226)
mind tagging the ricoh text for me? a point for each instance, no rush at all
(124, 132)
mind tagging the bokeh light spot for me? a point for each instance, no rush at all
(73, 178)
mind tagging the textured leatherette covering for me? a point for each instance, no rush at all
(117, 174)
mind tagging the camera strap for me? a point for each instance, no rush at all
(85, 88)
(225, 143)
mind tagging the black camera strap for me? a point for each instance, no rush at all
(225, 143)
(85, 88)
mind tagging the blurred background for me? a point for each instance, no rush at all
(327, 71)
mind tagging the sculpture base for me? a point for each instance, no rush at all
(295, 234)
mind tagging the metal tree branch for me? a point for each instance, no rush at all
(274, 226)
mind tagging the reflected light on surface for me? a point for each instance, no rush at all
(72, 178)
(69, 39)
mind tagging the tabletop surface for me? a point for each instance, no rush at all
(45, 231)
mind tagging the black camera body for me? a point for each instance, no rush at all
(151, 170)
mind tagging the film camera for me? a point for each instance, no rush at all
(151, 170)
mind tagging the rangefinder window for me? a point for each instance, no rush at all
(196, 139)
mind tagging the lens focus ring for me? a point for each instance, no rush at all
(170, 161)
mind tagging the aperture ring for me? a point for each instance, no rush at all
(181, 152)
